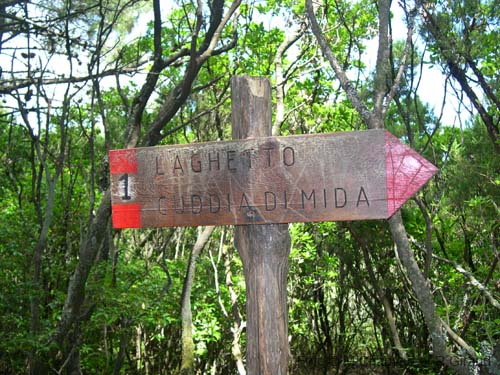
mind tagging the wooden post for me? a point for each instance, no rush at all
(264, 248)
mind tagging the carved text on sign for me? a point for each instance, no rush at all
(324, 177)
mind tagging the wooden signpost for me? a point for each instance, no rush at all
(324, 177)
(258, 179)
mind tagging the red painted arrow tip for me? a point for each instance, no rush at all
(406, 172)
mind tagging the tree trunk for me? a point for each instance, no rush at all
(175, 99)
(281, 80)
(453, 61)
(237, 327)
(122, 351)
(375, 120)
(187, 361)
(391, 319)
(424, 296)
(36, 367)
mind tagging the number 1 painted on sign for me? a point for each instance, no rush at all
(124, 178)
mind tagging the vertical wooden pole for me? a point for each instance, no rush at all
(264, 249)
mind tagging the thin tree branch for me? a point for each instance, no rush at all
(178, 95)
(459, 341)
(7, 87)
(280, 79)
(404, 62)
(482, 288)
(345, 82)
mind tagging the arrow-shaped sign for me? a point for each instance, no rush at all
(324, 177)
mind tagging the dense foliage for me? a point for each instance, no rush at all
(79, 78)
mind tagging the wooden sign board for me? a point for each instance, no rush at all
(325, 177)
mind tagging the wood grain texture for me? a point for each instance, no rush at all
(324, 177)
(264, 249)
